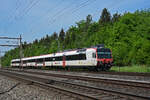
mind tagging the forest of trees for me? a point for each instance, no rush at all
(127, 35)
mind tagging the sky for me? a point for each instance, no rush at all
(33, 19)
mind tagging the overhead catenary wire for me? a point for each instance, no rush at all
(54, 7)
(29, 8)
(12, 15)
(73, 10)
(65, 8)
(61, 12)
(111, 5)
(25, 8)
(23, 12)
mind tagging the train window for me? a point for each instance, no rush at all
(103, 50)
(76, 57)
(53, 58)
(40, 60)
(16, 61)
(28, 60)
(93, 55)
(73, 57)
(81, 50)
(48, 59)
(82, 57)
(31, 60)
(24, 62)
(12, 62)
(58, 58)
(67, 57)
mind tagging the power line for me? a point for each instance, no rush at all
(29, 8)
(10, 16)
(54, 7)
(22, 13)
(110, 5)
(83, 4)
(15, 10)
(9, 38)
(76, 8)
(7, 45)
(62, 11)
(2, 52)
(24, 10)
(14, 45)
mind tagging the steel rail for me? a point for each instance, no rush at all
(109, 73)
(35, 81)
(110, 91)
(94, 79)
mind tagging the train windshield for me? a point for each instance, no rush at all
(103, 53)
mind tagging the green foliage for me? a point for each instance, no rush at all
(116, 17)
(134, 68)
(62, 35)
(127, 35)
(105, 16)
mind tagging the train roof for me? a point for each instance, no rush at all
(65, 52)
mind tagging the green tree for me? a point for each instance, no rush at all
(128, 36)
(62, 35)
(105, 16)
(115, 17)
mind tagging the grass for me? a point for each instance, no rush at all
(135, 68)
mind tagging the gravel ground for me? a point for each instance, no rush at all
(23, 91)
(126, 77)
(101, 85)
(125, 89)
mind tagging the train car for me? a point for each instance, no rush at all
(97, 57)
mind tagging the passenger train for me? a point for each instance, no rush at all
(97, 57)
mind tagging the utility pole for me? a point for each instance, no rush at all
(14, 45)
(58, 50)
(0, 60)
(21, 62)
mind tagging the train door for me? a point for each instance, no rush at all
(64, 62)
(43, 62)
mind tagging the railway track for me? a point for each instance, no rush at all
(47, 84)
(102, 72)
(133, 83)
(83, 91)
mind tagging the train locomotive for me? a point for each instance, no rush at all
(97, 57)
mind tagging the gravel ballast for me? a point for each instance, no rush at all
(96, 75)
(101, 85)
(15, 90)
(126, 77)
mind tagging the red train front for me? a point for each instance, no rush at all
(104, 58)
